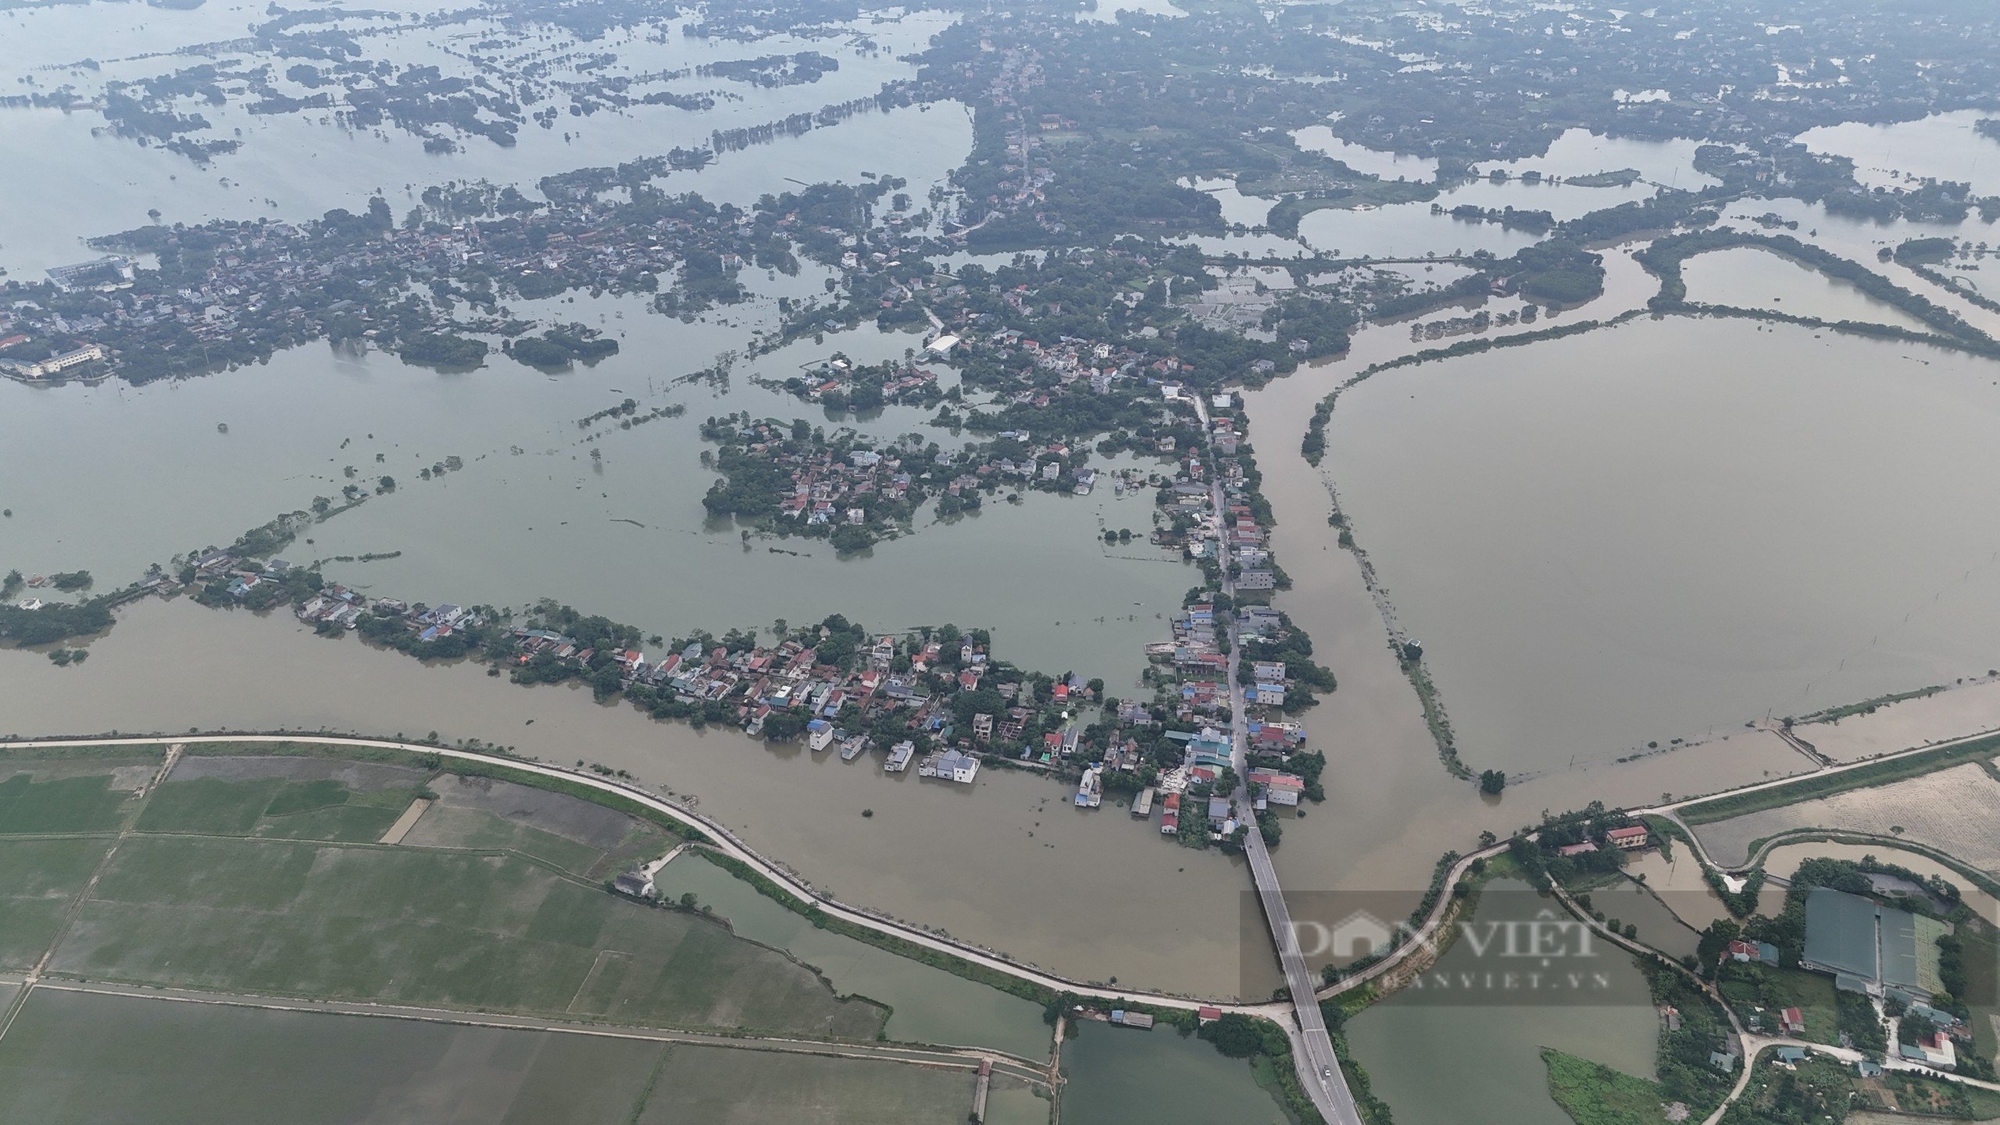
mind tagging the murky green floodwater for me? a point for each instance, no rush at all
(1119, 1076)
(929, 1005)
(1489, 1038)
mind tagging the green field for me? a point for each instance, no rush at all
(714, 1086)
(76, 1059)
(318, 809)
(38, 880)
(430, 927)
(261, 876)
(79, 1059)
(68, 804)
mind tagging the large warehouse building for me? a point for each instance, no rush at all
(1869, 947)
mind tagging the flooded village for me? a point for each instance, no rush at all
(936, 699)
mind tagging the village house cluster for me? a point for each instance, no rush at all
(236, 291)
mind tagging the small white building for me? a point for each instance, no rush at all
(951, 765)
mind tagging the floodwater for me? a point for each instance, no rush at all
(1493, 1042)
(1361, 158)
(1121, 1076)
(927, 1005)
(1862, 240)
(1391, 808)
(1008, 862)
(1411, 230)
(1954, 713)
(1580, 152)
(298, 165)
(1749, 277)
(1784, 859)
(1656, 921)
(1942, 146)
(1681, 884)
(532, 515)
(1650, 532)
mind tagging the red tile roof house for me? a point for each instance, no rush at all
(1630, 838)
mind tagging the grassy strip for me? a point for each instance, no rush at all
(84, 753)
(578, 790)
(1594, 1094)
(901, 947)
(1278, 1075)
(1435, 718)
(1314, 445)
(652, 1082)
(1864, 328)
(498, 771)
(1823, 785)
(308, 749)
(1866, 706)
(1664, 257)
(1937, 277)
(1964, 871)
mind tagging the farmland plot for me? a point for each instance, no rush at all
(1952, 810)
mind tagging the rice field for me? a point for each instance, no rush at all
(244, 878)
(718, 1086)
(81, 1057)
(31, 805)
(38, 880)
(1952, 810)
(414, 926)
(74, 1057)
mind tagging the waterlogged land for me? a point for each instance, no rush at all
(1014, 834)
(1495, 1033)
(1611, 561)
(482, 960)
(1120, 1075)
(1641, 591)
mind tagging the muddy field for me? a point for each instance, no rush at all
(1953, 810)
(569, 817)
(362, 777)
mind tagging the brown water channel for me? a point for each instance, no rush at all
(1008, 862)
(1662, 530)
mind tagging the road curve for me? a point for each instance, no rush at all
(724, 841)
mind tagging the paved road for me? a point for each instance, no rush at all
(724, 841)
(1312, 1047)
